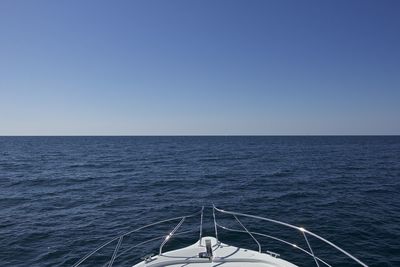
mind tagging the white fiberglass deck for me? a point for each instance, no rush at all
(223, 254)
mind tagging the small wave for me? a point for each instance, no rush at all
(278, 173)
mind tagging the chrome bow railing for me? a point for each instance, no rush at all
(216, 225)
(119, 239)
(304, 232)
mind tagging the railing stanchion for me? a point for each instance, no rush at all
(201, 225)
(115, 251)
(215, 225)
(168, 237)
(244, 227)
(309, 246)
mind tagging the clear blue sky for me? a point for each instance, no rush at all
(83, 67)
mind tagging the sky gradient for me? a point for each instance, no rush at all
(199, 67)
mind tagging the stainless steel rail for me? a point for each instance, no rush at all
(310, 252)
(201, 225)
(167, 237)
(120, 238)
(215, 224)
(247, 231)
(277, 239)
(148, 241)
(301, 229)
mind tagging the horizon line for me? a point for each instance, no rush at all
(203, 135)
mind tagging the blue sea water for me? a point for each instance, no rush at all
(61, 197)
